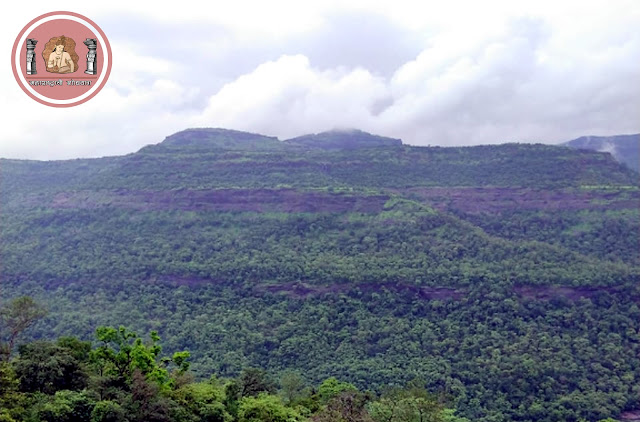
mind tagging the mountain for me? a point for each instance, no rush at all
(344, 139)
(202, 139)
(218, 158)
(624, 148)
(504, 277)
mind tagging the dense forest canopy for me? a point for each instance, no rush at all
(501, 281)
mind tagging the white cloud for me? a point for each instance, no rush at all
(508, 86)
(139, 104)
(462, 73)
(288, 97)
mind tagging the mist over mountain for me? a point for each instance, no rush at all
(624, 148)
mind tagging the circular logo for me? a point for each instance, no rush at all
(61, 59)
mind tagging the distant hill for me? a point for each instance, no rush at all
(344, 139)
(219, 158)
(624, 148)
(202, 139)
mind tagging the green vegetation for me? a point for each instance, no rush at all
(322, 278)
(215, 159)
(124, 379)
(396, 246)
(17, 316)
(494, 353)
(606, 234)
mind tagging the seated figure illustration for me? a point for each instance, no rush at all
(60, 55)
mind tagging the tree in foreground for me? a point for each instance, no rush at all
(15, 317)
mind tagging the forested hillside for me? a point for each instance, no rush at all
(504, 277)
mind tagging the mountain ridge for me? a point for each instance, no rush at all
(227, 158)
(230, 139)
(480, 270)
(344, 139)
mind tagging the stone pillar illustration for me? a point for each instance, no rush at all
(31, 56)
(92, 56)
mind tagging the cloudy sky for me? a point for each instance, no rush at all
(438, 73)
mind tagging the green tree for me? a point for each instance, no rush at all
(347, 406)
(15, 317)
(254, 381)
(147, 404)
(331, 388)
(293, 386)
(232, 395)
(411, 404)
(64, 406)
(49, 367)
(449, 415)
(11, 399)
(202, 401)
(266, 408)
(123, 352)
(108, 411)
